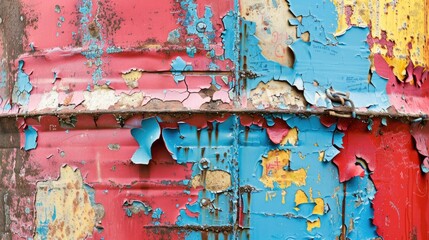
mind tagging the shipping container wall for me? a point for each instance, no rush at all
(193, 119)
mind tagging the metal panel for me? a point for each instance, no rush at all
(192, 119)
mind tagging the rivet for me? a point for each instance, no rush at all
(204, 163)
(205, 202)
(201, 27)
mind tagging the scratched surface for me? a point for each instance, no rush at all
(240, 119)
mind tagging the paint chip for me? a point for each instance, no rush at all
(30, 138)
(145, 136)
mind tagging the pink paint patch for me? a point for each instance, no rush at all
(194, 101)
(221, 95)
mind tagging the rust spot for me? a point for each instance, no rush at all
(94, 30)
(214, 181)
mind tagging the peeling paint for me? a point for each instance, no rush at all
(131, 77)
(397, 29)
(145, 136)
(276, 94)
(100, 98)
(30, 138)
(214, 181)
(64, 208)
(23, 87)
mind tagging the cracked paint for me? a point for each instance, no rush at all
(23, 87)
(180, 129)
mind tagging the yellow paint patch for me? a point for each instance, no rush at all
(273, 30)
(131, 77)
(311, 225)
(63, 207)
(283, 196)
(320, 206)
(214, 181)
(291, 137)
(321, 155)
(404, 22)
(300, 197)
(274, 166)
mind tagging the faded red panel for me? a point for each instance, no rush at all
(155, 20)
(100, 149)
(400, 204)
(51, 24)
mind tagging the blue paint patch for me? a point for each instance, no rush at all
(23, 87)
(359, 211)
(30, 138)
(326, 61)
(344, 67)
(229, 36)
(145, 136)
(157, 213)
(214, 213)
(251, 58)
(94, 45)
(229, 146)
(208, 149)
(264, 206)
(191, 51)
(201, 27)
(319, 18)
(338, 139)
(178, 66)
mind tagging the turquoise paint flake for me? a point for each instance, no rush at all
(191, 51)
(178, 66)
(30, 138)
(23, 86)
(149, 132)
(157, 213)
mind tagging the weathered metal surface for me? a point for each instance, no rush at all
(198, 120)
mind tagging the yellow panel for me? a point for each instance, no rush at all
(404, 22)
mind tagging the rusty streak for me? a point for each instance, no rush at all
(160, 111)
